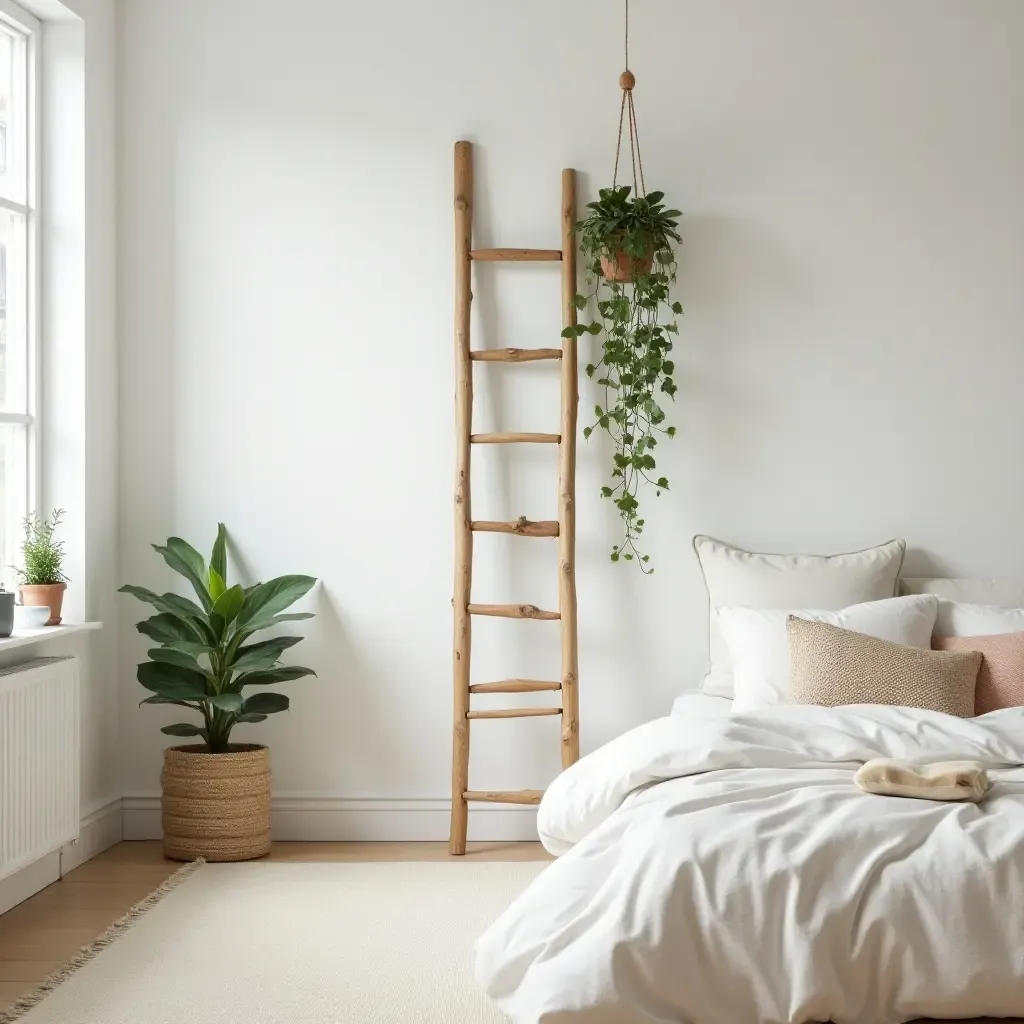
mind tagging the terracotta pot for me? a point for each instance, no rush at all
(44, 595)
(216, 806)
(622, 267)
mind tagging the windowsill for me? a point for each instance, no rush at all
(27, 637)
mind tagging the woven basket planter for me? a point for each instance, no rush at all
(216, 806)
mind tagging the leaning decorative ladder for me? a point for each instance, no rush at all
(465, 526)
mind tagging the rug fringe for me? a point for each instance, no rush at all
(21, 1006)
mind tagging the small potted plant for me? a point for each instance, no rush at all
(628, 246)
(216, 794)
(42, 580)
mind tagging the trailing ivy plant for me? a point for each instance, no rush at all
(202, 660)
(638, 321)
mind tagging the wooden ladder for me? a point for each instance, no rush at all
(465, 526)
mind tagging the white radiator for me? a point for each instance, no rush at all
(39, 797)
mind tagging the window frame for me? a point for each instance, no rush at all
(16, 18)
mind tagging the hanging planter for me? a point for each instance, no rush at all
(628, 241)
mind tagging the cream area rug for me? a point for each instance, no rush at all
(267, 943)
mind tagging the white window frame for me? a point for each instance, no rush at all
(16, 17)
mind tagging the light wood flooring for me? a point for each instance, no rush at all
(39, 935)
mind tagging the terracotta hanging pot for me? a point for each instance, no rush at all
(622, 267)
(48, 595)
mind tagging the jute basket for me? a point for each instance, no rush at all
(216, 806)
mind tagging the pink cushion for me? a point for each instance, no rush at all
(1001, 679)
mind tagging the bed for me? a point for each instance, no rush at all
(724, 869)
(719, 866)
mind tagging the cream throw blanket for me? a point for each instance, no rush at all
(943, 780)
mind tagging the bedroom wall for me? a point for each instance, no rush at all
(850, 358)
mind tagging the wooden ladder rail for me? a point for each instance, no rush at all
(564, 529)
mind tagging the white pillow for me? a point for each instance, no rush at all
(735, 577)
(758, 642)
(959, 619)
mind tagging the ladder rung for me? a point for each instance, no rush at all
(521, 527)
(512, 611)
(515, 438)
(513, 796)
(514, 355)
(515, 686)
(514, 713)
(516, 255)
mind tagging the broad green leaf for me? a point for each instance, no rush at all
(219, 557)
(195, 650)
(229, 604)
(173, 603)
(167, 627)
(275, 620)
(274, 596)
(172, 681)
(251, 718)
(226, 702)
(183, 729)
(217, 584)
(266, 703)
(169, 656)
(266, 677)
(264, 654)
(157, 699)
(185, 560)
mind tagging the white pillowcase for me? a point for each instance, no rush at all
(758, 642)
(831, 582)
(959, 619)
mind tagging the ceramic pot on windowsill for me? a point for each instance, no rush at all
(48, 595)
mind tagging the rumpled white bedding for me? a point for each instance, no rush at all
(732, 873)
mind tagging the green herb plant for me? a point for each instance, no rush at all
(203, 660)
(638, 321)
(43, 556)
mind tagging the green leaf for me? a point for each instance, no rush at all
(169, 656)
(217, 584)
(580, 301)
(267, 677)
(595, 328)
(157, 699)
(677, 307)
(185, 560)
(219, 556)
(195, 650)
(183, 729)
(662, 483)
(225, 702)
(172, 681)
(251, 718)
(167, 627)
(229, 604)
(173, 603)
(266, 704)
(264, 601)
(253, 627)
(262, 655)
(569, 332)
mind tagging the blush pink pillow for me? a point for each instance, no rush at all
(1001, 679)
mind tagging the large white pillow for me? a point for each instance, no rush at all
(738, 578)
(758, 642)
(956, 618)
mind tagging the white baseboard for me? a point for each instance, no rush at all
(343, 819)
(99, 830)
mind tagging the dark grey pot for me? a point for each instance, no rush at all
(6, 612)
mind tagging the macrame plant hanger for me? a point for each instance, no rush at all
(627, 80)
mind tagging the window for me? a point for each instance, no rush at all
(18, 256)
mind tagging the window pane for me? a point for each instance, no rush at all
(13, 116)
(13, 313)
(13, 495)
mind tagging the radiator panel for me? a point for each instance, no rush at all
(39, 760)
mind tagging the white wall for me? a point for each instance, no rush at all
(850, 361)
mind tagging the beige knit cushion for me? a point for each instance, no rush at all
(832, 666)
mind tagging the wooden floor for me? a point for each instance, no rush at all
(39, 935)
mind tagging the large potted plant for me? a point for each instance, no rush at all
(42, 580)
(628, 245)
(216, 794)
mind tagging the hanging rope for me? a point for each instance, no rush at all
(626, 82)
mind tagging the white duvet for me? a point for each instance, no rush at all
(728, 871)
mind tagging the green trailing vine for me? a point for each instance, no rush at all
(637, 318)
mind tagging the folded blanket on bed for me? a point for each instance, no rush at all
(943, 780)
